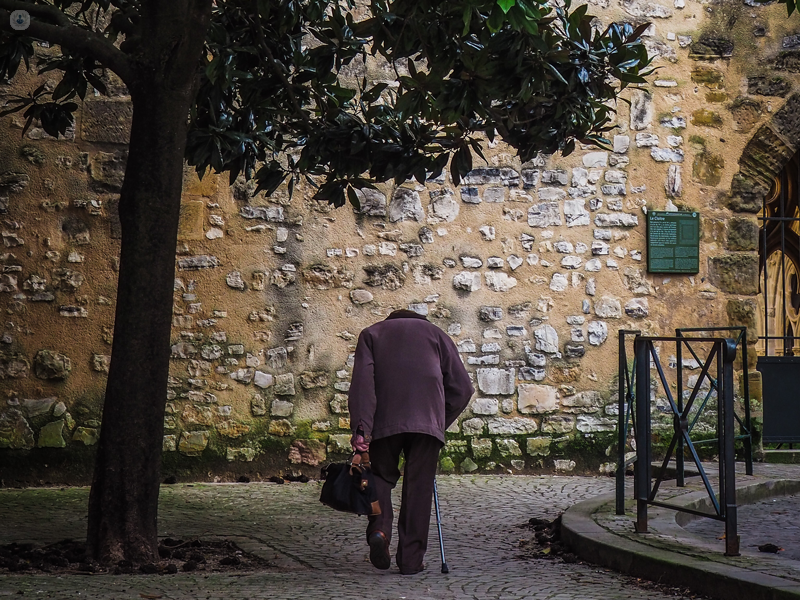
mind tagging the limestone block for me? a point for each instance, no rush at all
(598, 332)
(544, 214)
(530, 178)
(35, 407)
(574, 350)
(575, 213)
(558, 282)
(593, 424)
(558, 424)
(258, 406)
(481, 448)
(512, 426)
(532, 374)
(281, 408)
(107, 170)
(468, 281)
(742, 234)
(51, 435)
(637, 308)
(471, 262)
(373, 202)
(621, 144)
(608, 307)
(496, 381)
(582, 402)
(168, 444)
(595, 159)
(538, 446)
(232, 429)
(472, 427)
(546, 339)
(735, 273)
(234, 280)
(641, 110)
(101, 362)
(270, 213)
(244, 376)
(495, 262)
(192, 443)
(8, 283)
(15, 432)
(485, 406)
(467, 345)
(284, 385)
(339, 443)
(494, 194)
(470, 195)
(262, 379)
(281, 428)
(616, 220)
(386, 276)
(48, 364)
(673, 185)
(482, 176)
(571, 262)
(195, 263)
(425, 235)
(308, 452)
(537, 399)
(563, 465)
(499, 282)
(646, 140)
(468, 465)
(313, 379)
(667, 155)
(508, 447)
(405, 206)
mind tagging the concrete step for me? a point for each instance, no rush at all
(782, 457)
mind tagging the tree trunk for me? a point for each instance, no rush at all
(123, 503)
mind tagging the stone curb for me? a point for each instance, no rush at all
(593, 543)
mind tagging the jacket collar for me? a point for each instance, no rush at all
(405, 314)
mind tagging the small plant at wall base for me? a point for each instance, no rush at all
(234, 86)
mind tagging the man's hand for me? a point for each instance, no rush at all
(358, 443)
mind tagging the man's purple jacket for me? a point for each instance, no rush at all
(407, 378)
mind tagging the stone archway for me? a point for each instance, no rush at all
(763, 159)
(763, 262)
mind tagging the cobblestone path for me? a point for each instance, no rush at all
(321, 554)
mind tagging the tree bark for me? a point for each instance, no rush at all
(123, 502)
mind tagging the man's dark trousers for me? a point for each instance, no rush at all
(421, 453)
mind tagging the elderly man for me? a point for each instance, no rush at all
(408, 386)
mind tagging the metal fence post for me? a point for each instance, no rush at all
(728, 485)
(622, 425)
(641, 350)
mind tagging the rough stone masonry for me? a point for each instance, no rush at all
(531, 268)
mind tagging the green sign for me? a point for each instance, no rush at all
(673, 242)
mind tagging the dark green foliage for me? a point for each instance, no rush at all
(273, 102)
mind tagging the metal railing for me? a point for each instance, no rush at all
(626, 402)
(745, 425)
(722, 354)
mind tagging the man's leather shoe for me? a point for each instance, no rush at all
(379, 550)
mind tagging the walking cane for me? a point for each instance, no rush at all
(439, 526)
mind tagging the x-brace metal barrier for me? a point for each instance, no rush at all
(722, 353)
(745, 429)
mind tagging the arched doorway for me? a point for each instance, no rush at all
(779, 305)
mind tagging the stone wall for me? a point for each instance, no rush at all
(531, 268)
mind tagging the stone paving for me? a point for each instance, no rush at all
(320, 553)
(773, 520)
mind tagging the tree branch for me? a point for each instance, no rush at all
(70, 36)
